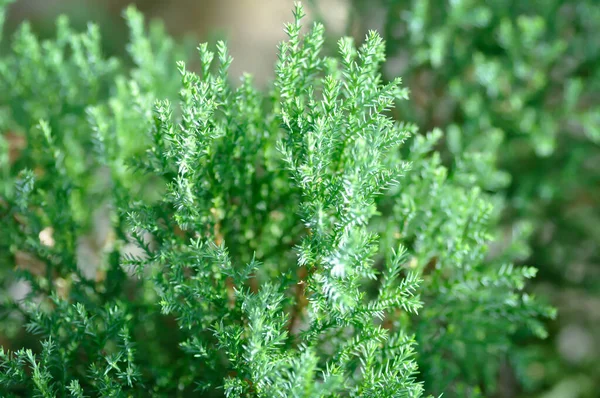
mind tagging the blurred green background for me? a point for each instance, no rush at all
(515, 80)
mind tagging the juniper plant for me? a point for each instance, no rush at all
(515, 85)
(295, 242)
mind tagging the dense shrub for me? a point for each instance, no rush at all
(518, 83)
(294, 242)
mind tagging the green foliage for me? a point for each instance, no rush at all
(515, 86)
(296, 242)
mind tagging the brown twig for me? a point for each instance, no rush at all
(300, 300)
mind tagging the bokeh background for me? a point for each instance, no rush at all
(252, 28)
(518, 80)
